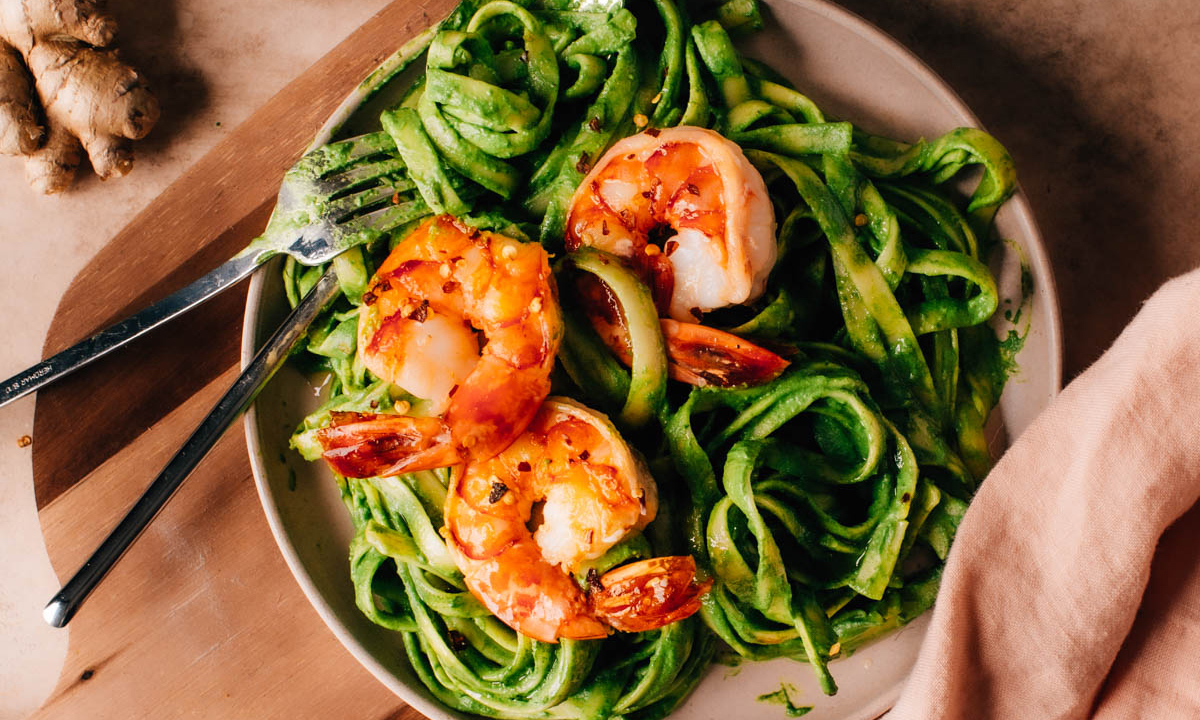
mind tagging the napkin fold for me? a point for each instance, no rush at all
(1073, 586)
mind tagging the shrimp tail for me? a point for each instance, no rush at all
(360, 445)
(697, 354)
(649, 594)
(701, 355)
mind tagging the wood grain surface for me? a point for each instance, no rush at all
(202, 617)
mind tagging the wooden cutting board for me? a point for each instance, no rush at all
(202, 617)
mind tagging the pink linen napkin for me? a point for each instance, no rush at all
(1073, 587)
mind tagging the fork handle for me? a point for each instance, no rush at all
(111, 338)
(62, 606)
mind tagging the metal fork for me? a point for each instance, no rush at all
(335, 197)
(62, 606)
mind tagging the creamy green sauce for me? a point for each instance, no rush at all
(783, 696)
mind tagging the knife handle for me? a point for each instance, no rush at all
(134, 326)
(62, 607)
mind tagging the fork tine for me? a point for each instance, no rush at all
(319, 243)
(358, 175)
(336, 156)
(363, 145)
(365, 199)
(388, 218)
(337, 196)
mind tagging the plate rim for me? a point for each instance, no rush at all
(1037, 256)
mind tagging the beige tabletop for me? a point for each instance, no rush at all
(1095, 100)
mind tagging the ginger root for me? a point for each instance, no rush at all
(81, 95)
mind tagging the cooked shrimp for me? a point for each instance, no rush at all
(593, 491)
(444, 286)
(361, 445)
(649, 594)
(699, 185)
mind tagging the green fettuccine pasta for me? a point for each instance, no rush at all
(820, 504)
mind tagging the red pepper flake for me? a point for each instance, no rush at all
(593, 581)
(691, 187)
(449, 286)
(524, 466)
(584, 164)
(905, 497)
(374, 404)
(603, 227)
(594, 125)
(499, 489)
(672, 246)
(24, 441)
(369, 298)
(696, 313)
(421, 313)
(629, 156)
(395, 198)
(647, 194)
(453, 390)
(653, 132)
(584, 455)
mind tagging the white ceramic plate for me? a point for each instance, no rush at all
(852, 70)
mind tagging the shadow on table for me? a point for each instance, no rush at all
(1073, 98)
(149, 39)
